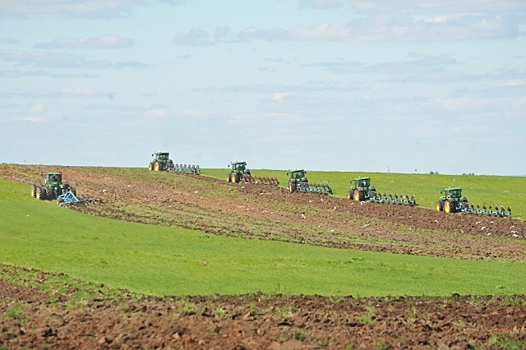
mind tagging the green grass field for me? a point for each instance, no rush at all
(480, 189)
(171, 261)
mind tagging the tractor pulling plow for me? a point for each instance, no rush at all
(240, 173)
(452, 201)
(299, 182)
(362, 190)
(52, 187)
(161, 162)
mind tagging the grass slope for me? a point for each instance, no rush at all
(171, 261)
(480, 189)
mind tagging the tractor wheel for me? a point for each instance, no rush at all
(156, 166)
(236, 178)
(350, 194)
(449, 207)
(229, 177)
(34, 191)
(50, 194)
(292, 187)
(358, 196)
(150, 166)
(439, 206)
(41, 193)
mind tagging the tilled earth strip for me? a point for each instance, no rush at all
(269, 212)
(34, 314)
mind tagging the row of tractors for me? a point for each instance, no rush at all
(361, 190)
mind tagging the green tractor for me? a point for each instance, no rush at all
(361, 189)
(161, 162)
(451, 200)
(298, 182)
(51, 188)
(238, 172)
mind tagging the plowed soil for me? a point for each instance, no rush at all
(37, 313)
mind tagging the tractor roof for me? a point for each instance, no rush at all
(239, 162)
(296, 170)
(452, 188)
(362, 178)
(162, 152)
(54, 173)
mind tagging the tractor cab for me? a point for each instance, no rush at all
(53, 179)
(297, 174)
(162, 156)
(452, 193)
(362, 183)
(239, 167)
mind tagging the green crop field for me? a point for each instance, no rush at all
(480, 189)
(173, 261)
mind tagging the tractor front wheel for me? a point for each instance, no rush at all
(439, 206)
(292, 187)
(150, 166)
(350, 194)
(236, 178)
(156, 166)
(34, 191)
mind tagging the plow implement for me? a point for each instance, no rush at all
(486, 210)
(69, 198)
(260, 179)
(396, 199)
(311, 187)
(185, 168)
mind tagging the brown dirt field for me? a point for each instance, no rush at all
(34, 318)
(42, 310)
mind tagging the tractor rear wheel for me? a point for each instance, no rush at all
(41, 193)
(449, 207)
(439, 206)
(33, 191)
(156, 166)
(359, 196)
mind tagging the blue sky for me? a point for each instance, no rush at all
(348, 85)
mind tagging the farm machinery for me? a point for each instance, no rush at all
(362, 190)
(298, 182)
(240, 173)
(161, 162)
(52, 187)
(452, 201)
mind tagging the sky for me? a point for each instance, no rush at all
(346, 85)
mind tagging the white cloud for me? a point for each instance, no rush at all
(157, 113)
(34, 119)
(67, 7)
(38, 108)
(279, 96)
(51, 60)
(195, 37)
(426, 6)
(401, 28)
(89, 42)
(196, 113)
